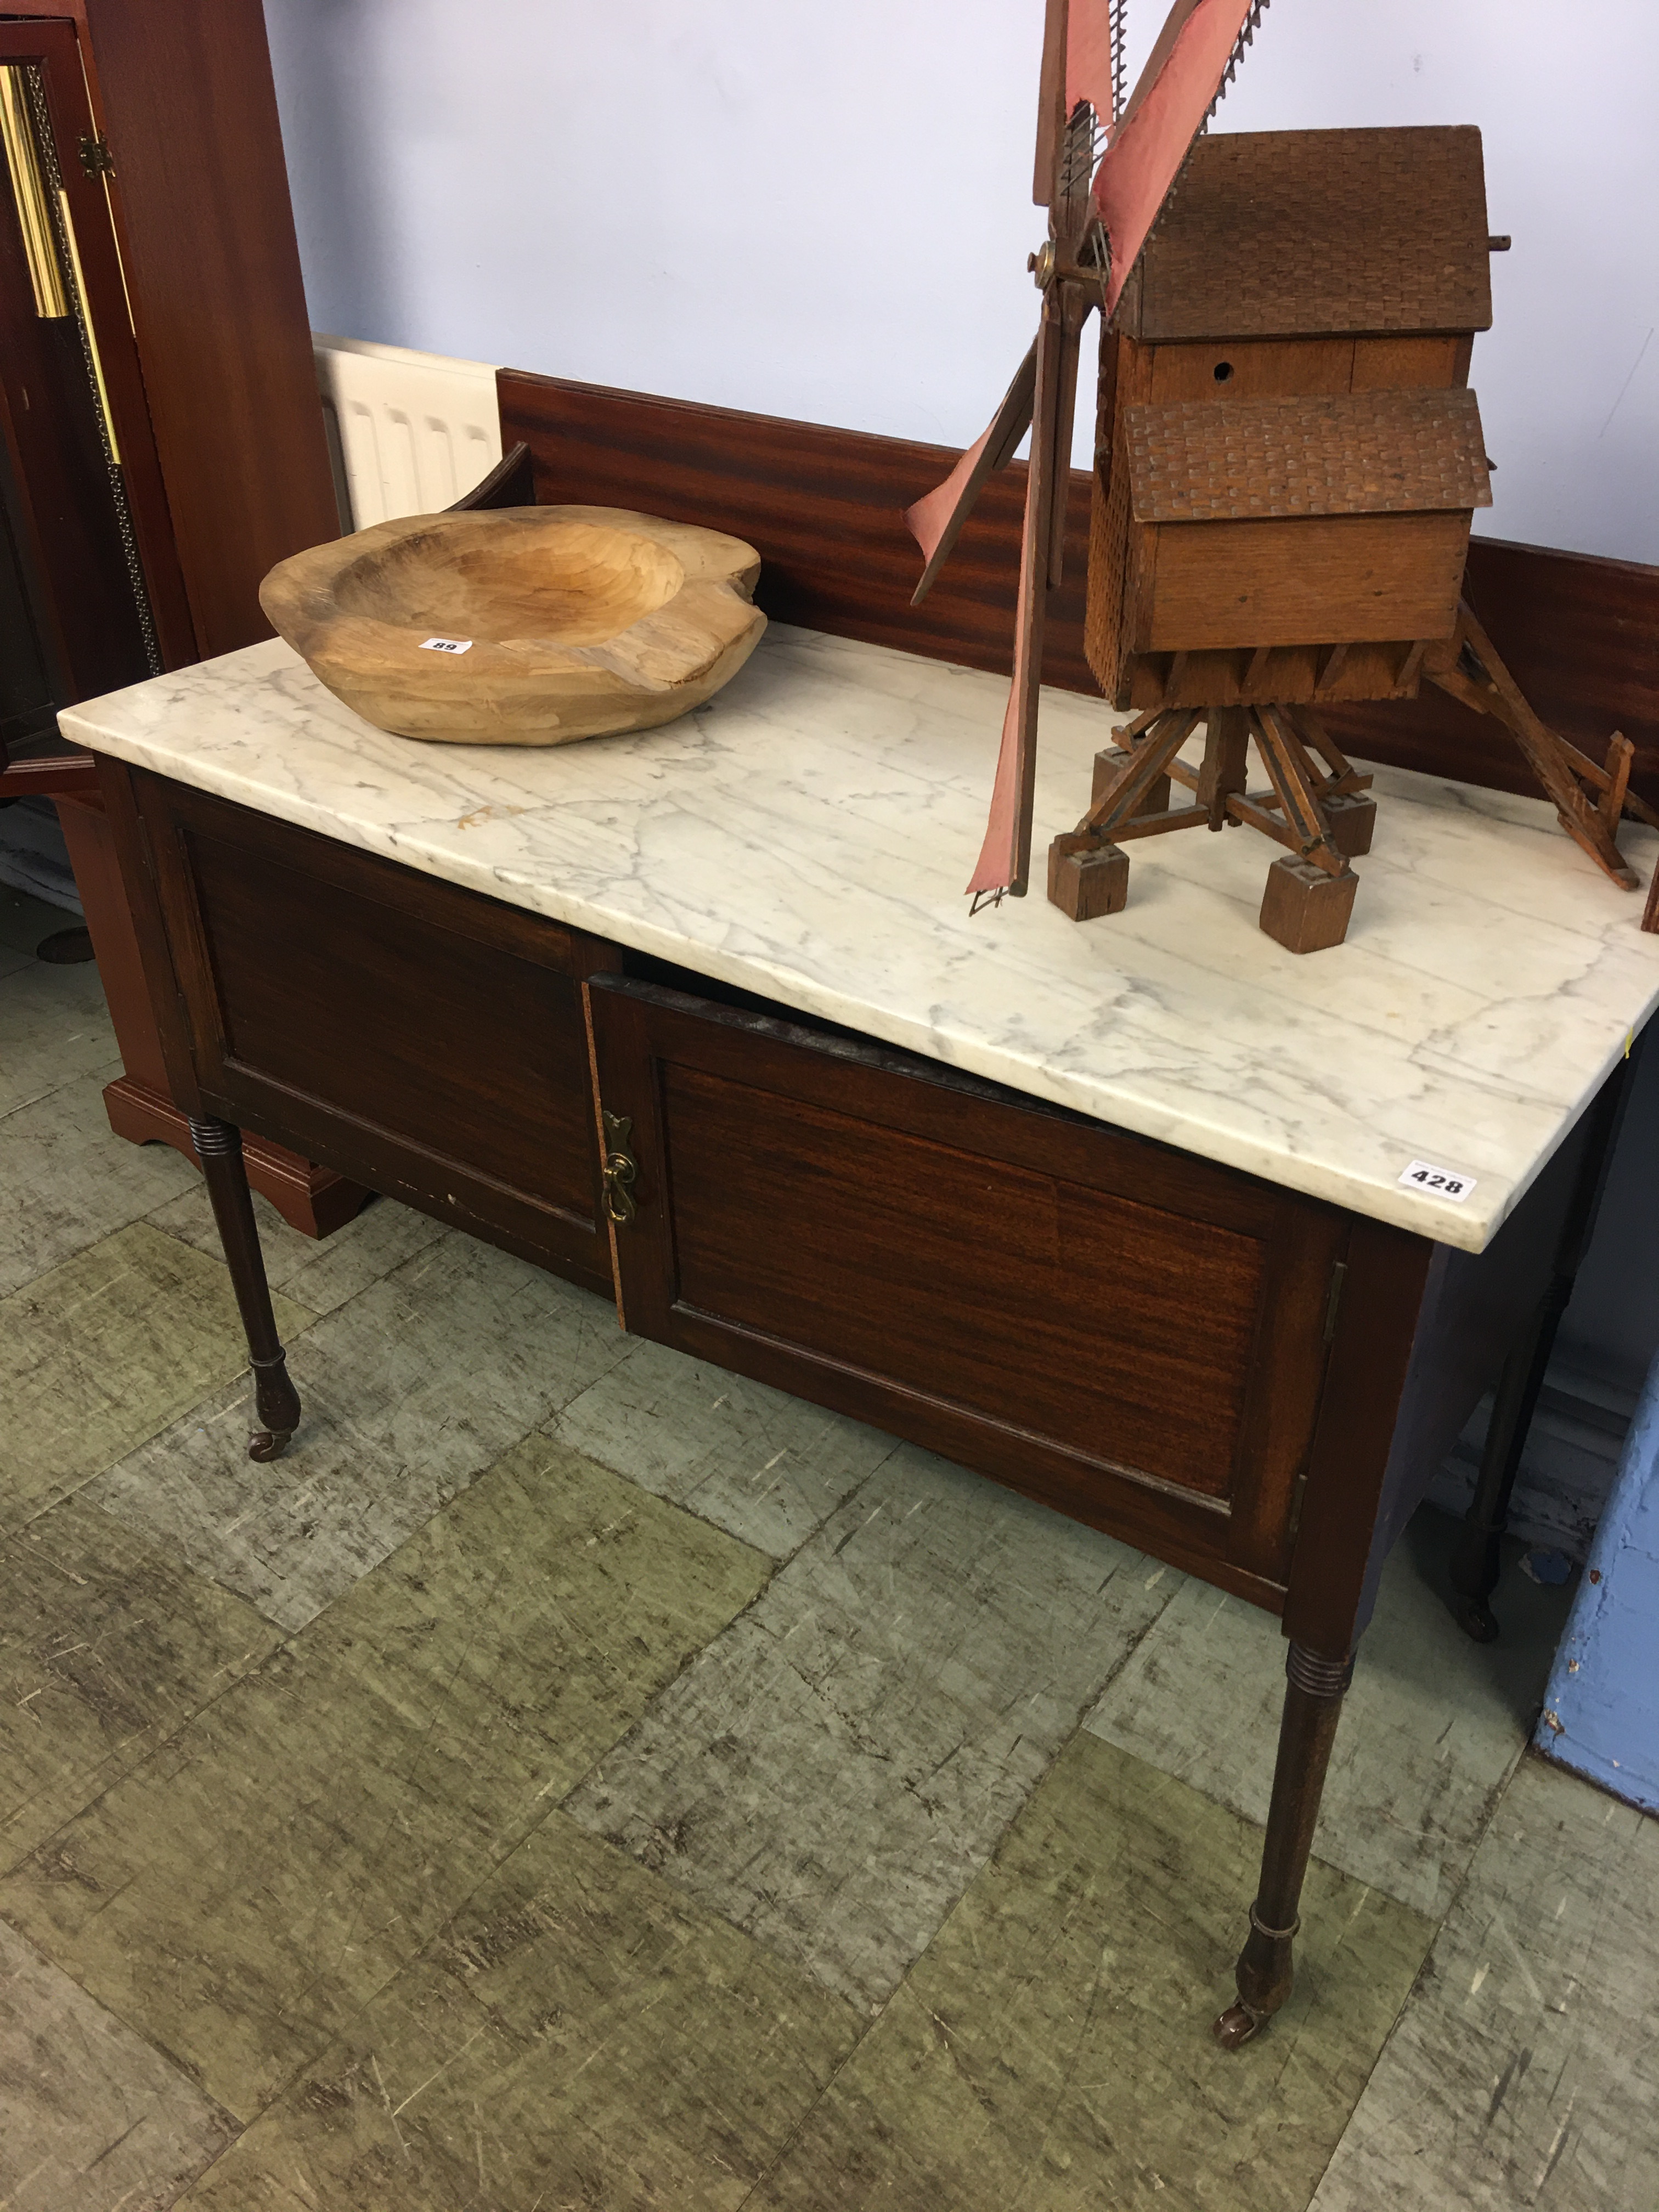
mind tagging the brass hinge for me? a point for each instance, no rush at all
(96, 159)
(620, 1166)
(1338, 1276)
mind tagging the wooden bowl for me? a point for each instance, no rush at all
(523, 626)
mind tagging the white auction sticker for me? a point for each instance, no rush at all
(447, 645)
(1437, 1183)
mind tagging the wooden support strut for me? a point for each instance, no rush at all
(1556, 765)
(1111, 814)
(1286, 766)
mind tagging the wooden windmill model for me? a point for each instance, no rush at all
(1287, 463)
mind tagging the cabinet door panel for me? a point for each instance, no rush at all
(843, 1236)
(1128, 1334)
(414, 1036)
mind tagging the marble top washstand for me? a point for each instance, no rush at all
(806, 835)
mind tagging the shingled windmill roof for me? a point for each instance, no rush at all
(1371, 453)
(1302, 233)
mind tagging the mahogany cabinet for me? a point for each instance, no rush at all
(1251, 1384)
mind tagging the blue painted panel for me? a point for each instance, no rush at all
(1602, 1710)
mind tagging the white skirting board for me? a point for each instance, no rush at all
(409, 433)
(1570, 1460)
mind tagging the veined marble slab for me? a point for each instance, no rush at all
(806, 834)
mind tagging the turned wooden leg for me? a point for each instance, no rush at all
(1313, 1704)
(219, 1148)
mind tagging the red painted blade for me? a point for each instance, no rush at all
(1163, 116)
(1005, 856)
(999, 862)
(1089, 57)
(935, 520)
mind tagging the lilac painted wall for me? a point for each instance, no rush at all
(825, 211)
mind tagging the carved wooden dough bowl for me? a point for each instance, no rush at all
(582, 621)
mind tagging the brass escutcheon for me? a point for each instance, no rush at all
(620, 1166)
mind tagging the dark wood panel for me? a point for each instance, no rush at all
(826, 1231)
(823, 507)
(87, 604)
(27, 706)
(998, 1282)
(1578, 635)
(481, 1060)
(412, 1036)
(183, 93)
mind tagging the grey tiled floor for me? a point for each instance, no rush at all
(578, 1777)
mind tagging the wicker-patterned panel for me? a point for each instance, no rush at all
(1285, 234)
(1364, 453)
(1125, 380)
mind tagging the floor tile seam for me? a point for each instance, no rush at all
(22, 1105)
(779, 1561)
(1386, 2045)
(902, 1985)
(289, 1638)
(127, 1451)
(1438, 1920)
(218, 1258)
(1460, 1874)
(590, 1772)
(977, 1869)
(781, 1565)
(234, 2126)
(775, 1569)
(342, 2037)
(11, 1866)
(787, 2147)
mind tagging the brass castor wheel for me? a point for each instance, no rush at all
(1304, 909)
(1238, 2026)
(1086, 880)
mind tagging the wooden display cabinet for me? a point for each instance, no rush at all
(161, 440)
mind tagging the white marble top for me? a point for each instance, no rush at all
(807, 834)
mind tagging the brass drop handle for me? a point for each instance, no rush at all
(620, 1166)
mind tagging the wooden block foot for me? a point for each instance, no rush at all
(1109, 765)
(1087, 880)
(1352, 817)
(1303, 907)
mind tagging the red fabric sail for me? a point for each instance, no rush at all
(1159, 124)
(999, 856)
(927, 519)
(1088, 56)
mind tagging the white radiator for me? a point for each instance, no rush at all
(410, 433)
